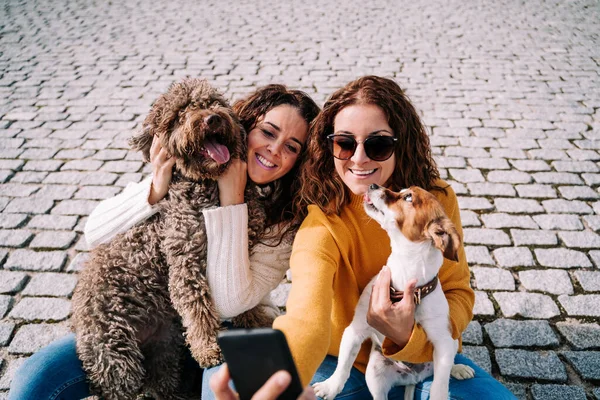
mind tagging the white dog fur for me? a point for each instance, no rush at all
(417, 253)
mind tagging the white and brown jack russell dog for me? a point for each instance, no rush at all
(421, 235)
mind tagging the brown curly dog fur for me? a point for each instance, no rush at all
(140, 291)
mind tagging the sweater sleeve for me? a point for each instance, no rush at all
(307, 323)
(455, 280)
(238, 281)
(119, 213)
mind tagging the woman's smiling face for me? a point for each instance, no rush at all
(359, 171)
(275, 143)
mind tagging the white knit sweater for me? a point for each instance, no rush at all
(238, 281)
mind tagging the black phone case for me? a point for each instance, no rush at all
(253, 355)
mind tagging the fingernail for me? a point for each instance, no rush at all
(283, 378)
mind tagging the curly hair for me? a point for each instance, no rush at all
(279, 194)
(320, 183)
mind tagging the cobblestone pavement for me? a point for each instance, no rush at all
(509, 89)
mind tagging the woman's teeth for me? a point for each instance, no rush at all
(363, 173)
(264, 161)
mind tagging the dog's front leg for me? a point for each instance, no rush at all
(444, 351)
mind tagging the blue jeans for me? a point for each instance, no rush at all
(55, 373)
(482, 386)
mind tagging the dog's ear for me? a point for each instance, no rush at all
(142, 142)
(445, 237)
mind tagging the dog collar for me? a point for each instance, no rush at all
(420, 292)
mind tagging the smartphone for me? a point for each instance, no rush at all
(253, 355)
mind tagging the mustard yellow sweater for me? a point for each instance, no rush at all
(333, 259)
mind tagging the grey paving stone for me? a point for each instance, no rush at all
(28, 177)
(490, 163)
(473, 334)
(42, 165)
(51, 284)
(509, 257)
(557, 392)
(14, 237)
(49, 221)
(9, 373)
(578, 192)
(474, 203)
(485, 236)
(530, 165)
(5, 304)
(562, 258)
(97, 192)
(502, 220)
(56, 192)
(78, 262)
(586, 363)
(580, 240)
(518, 206)
(511, 333)
(531, 364)
(491, 189)
(17, 189)
(581, 305)
(30, 260)
(30, 338)
(533, 237)
(3, 255)
(12, 282)
(580, 335)
(557, 178)
(595, 256)
(110, 155)
(513, 177)
(29, 206)
(527, 305)
(100, 178)
(536, 191)
(82, 165)
(6, 330)
(468, 218)
(444, 131)
(479, 355)
(75, 207)
(575, 166)
(558, 206)
(558, 222)
(589, 280)
(12, 220)
(466, 175)
(591, 179)
(483, 305)
(41, 308)
(122, 166)
(593, 221)
(53, 240)
(596, 392)
(493, 279)
(518, 389)
(478, 255)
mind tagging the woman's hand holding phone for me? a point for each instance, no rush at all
(275, 386)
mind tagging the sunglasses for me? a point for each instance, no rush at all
(377, 148)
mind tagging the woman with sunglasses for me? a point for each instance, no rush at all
(367, 133)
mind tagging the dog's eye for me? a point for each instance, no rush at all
(408, 198)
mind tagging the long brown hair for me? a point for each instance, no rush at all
(280, 193)
(322, 186)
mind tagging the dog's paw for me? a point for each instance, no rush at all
(208, 356)
(462, 371)
(327, 389)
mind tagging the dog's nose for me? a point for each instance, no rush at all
(374, 186)
(212, 120)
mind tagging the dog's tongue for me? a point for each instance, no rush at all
(367, 199)
(217, 151)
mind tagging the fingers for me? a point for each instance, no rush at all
(409, 292)
(159, 156)
(381, 289)
(219, 384)
(274, 386)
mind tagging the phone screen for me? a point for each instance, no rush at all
(253, 356)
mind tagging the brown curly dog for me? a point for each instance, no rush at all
(139, 292)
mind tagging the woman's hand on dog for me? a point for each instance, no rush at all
(233, 183)
(394, 320)
(277, 383)
(162, 171)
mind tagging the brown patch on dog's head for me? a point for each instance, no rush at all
(417, 214)
(196, 125)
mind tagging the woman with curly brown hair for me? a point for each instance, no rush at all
(367, 133)
(277, 121)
